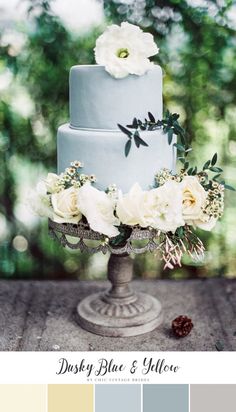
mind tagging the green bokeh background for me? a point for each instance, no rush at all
(197, 54)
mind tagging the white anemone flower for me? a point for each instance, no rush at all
(125, 50)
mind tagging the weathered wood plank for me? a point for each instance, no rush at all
(36, 316)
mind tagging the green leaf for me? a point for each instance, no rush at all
(216, 176)
(186, 165)
(138, 140)
(190, 171)
(151, 117)
(165, 129)
(135, 123)
(183, 139)
(219, 346)
(178, 129)
(180, 147)
(206, 165)
(124, 130)
(229, 187)
(170, 135)
(122, 238)
(214, 159)
(128, 147)
(215, 169)
(180, 232)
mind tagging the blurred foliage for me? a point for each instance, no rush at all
(197, 54)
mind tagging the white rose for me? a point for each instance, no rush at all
(208, 224)
(169, 206)
(98, 208)
(133, 208)
(51, 182)
(194, 198)
(159, 208)
(65, 206)
(39, 201)
(125, 50)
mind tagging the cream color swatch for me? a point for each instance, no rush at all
(23, 398)
(70, 398)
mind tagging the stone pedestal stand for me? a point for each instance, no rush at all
(119, 311)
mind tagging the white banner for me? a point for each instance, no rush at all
(118, 367)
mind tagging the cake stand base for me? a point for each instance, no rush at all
(119, 312)
(96, 316)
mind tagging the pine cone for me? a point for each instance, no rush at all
(182, 326)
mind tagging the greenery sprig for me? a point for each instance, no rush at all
(169, 124)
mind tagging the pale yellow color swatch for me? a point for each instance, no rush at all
(23, 398)
(70, 398)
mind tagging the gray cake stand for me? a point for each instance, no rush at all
(118, 311)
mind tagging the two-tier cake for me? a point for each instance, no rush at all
(98, 103)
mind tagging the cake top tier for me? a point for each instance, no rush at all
(100, 101)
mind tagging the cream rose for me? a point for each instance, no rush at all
(98, 208)
(159, 208)
(194, 198)
(65, 206)
(125, 50)
(51, 182)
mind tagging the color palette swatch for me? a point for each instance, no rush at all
(70, 398)
(216, 398)
(165, 398)
(117, 397)
(23, 398)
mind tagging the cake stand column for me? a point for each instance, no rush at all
(119, 311)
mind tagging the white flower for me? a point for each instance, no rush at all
(169, 206)
(125, 50)
(133, 208)
(159, 208)
(51, 182)
(39, 201)
(98, 208)
(194, 198)
(65, 206)
(208, 224)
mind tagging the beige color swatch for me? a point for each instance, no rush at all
(70, 398)
(212, 398)
(23, 398)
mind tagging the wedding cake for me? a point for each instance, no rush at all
(99, 101)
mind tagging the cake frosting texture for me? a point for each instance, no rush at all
(103, 155)
(99, 101)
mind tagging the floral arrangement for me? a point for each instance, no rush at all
(125, 50)
(173, 207)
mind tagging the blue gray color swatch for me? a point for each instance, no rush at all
(166, 398)
(118, 398)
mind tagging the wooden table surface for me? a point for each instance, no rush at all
(40, 316)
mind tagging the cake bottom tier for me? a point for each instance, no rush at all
(102, 153)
